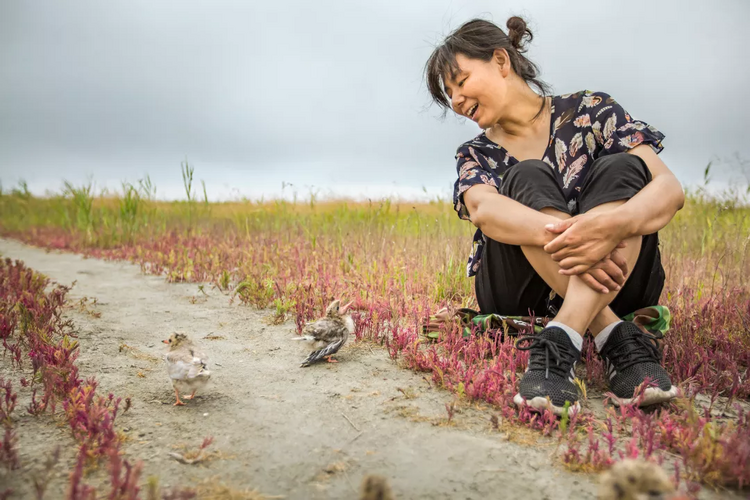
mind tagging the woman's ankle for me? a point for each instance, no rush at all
(602, 321)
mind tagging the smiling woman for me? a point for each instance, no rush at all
(568, 195)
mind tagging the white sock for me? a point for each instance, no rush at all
(575, 337)
(601, 339)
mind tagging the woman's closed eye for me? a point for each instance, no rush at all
(459, 84)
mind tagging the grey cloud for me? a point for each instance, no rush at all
(330, 93)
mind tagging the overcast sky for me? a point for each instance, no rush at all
(329, 95)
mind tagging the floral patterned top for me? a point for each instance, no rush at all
(584, 126)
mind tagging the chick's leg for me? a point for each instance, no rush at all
(191, 395)
(330, 359)
(177, 396)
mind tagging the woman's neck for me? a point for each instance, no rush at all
(518, 117)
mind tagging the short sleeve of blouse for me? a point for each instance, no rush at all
(615, 131)
(473, 168)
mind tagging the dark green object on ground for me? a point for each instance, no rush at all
(654, 319)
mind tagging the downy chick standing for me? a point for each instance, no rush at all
(186, 365)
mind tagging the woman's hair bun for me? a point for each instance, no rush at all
(518, 33)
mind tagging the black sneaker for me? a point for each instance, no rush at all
(548, 381)
(630, 357)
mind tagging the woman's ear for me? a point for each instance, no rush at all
(500, 57)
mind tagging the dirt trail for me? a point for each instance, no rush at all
(297, 432)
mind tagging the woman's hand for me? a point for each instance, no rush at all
(608, 274)
(583, 241)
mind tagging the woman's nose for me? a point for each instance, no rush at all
(456, 101)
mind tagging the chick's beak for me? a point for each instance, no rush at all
(165, 342)
(344, 308)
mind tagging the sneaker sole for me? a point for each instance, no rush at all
(651, 396)
(540, 404)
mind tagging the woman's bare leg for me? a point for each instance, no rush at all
(583, 307)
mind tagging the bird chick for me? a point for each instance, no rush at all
(328, 334)
(186, 365)
(375, 487)
(635, 480)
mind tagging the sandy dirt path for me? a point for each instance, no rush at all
(304, 433)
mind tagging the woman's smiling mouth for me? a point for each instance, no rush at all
(472, 111)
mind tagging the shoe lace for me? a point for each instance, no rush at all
(634, 349)
(562, 355)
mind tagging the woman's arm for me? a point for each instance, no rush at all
(657, 203)
(506, 220)
(586, 238)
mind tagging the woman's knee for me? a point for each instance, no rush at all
(533, 183)
(613, 178)
(528, 172)
(621, 165)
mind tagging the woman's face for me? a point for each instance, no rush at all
(478, 91)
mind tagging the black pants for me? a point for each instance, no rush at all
(506, 283)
